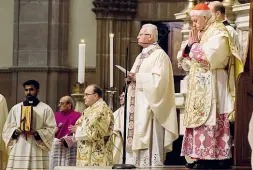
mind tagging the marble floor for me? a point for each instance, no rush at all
(151, 168)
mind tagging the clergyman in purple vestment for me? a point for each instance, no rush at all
(64, 147)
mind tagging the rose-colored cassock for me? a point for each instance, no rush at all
(152, 118)
(64, 155)
(64, 120)
(212, 66)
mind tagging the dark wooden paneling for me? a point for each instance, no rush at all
(244, 108)
(159, 10)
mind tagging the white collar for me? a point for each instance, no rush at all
(98, 102)
(145, 50)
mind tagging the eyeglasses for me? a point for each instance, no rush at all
(143, 34)
(88, 94)
(61, 103)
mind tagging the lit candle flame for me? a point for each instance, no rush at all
(82, 41)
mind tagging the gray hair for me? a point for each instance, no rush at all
(70, 101)
(151, 29)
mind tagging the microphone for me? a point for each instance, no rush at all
(143, 42)
(124, 165)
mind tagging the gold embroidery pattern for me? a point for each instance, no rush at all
(201, 98)
(98, 123)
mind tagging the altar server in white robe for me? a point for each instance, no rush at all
(118, 131)
(3, 149)
(28, 150)
(152, 119)
(219, 12)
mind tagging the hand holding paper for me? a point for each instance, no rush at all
(131, 77)
(122, 69)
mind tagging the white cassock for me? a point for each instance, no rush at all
(118, 132)
(155, 117)
(27, 153)
(3, 149)
(250, 138)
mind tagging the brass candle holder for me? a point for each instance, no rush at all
(77, 95)
(111, 91)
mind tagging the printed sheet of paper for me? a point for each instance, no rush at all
(122, 69)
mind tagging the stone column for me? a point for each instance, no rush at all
(229, 13)
(41, 48)
(112, 17)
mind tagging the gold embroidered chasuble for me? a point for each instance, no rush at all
(95, 149)
(213, 66)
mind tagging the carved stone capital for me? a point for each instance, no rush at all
(242, 16)
(115, 9)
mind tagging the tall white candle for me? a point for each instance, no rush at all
(111, 35)
(81, 62)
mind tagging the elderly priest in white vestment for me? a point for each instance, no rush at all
(152, 119)
(3, 149)
(29, 131)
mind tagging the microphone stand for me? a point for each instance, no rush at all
(124, 165)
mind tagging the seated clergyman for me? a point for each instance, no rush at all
(64, 147)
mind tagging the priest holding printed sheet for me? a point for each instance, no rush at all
(3, 149)
(152, 120)
(94, 130)
(29, 131)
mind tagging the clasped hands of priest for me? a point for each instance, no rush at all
(71, 128)
(35, 134)
(194, 36)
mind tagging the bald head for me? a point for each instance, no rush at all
(218, 10)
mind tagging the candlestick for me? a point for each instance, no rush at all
(81, 62)
(111, 93)
(111, 35)
(77, 95)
